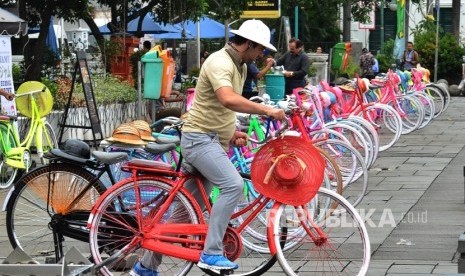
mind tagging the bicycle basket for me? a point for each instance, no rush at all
(44, 100)
(289, 170)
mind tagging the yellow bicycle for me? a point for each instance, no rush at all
(33, 100)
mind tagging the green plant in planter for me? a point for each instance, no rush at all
(194, 72)
(107, 90)
(351, 69)
(312, 71)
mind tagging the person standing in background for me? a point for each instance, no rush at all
(366, 64)
(203, 56)
(410, 58)
(253, 75)
(296, 64)
(319, 50)
(147, 45)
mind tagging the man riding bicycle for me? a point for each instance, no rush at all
(209, 130)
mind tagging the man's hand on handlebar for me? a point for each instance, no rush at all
(276, 113)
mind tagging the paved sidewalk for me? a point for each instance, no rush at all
(414, 209)
(420, 182)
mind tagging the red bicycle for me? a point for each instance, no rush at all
(154, 210)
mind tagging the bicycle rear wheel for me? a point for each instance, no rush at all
(332, 244)
(41, 221)
(116, 232)
(8, 174)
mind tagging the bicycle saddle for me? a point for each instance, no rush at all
(156, 148)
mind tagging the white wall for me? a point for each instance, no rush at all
(415, 16)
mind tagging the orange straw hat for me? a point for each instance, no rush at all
(289, 170)
(144, 129)
(128, 134)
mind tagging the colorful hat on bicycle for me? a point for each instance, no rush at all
(288, 170)
(127, 134)
(256, 31)
(144, 130)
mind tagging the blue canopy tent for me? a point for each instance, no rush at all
(52, 42)
(209, 28)
(182, 33)
(148, 26)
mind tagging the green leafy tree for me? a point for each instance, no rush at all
(319, 20)
(449, 53)
(39, 13)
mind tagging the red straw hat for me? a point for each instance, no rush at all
(289, 170)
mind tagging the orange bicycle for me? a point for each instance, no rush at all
(155, 211)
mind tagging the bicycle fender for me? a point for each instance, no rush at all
(7, 198)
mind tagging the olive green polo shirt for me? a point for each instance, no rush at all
(207, 115)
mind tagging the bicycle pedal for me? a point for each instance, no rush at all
(227, 272)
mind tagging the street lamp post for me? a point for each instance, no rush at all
(381, 29)
(436, 51)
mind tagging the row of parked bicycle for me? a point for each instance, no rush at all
(117, 204)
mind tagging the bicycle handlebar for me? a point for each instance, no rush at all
(175, 121)
(32, 92)
(279, 132)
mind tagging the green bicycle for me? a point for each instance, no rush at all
(33, 100)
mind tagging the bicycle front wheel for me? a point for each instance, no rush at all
(117, 228)
(331, 244)
(8, 174)
(49, 142)
(40, 216)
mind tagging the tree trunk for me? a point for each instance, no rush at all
(346, 21)
(456, 19)
(95, 31)
(35, 62)
(27, 52)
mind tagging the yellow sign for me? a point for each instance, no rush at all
(263, 9)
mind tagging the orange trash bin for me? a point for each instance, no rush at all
(168, 71)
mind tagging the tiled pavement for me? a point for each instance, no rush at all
(415, 201)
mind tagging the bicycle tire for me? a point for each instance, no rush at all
(387, 123)
(257, 258)
(352, 167)
(436, 95)
(355, 137)
(46, 144)
(27, 208)
(428, 106)
(326, 255)
(371, 144)
(371, 132)
(8, 174)
(445, 94)
(112, 231)
(413, 113)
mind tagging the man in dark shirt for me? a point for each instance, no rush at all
(296, 64)
(254, 74)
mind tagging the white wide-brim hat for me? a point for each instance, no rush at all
(256, 31)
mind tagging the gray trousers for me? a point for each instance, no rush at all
(204, 152)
